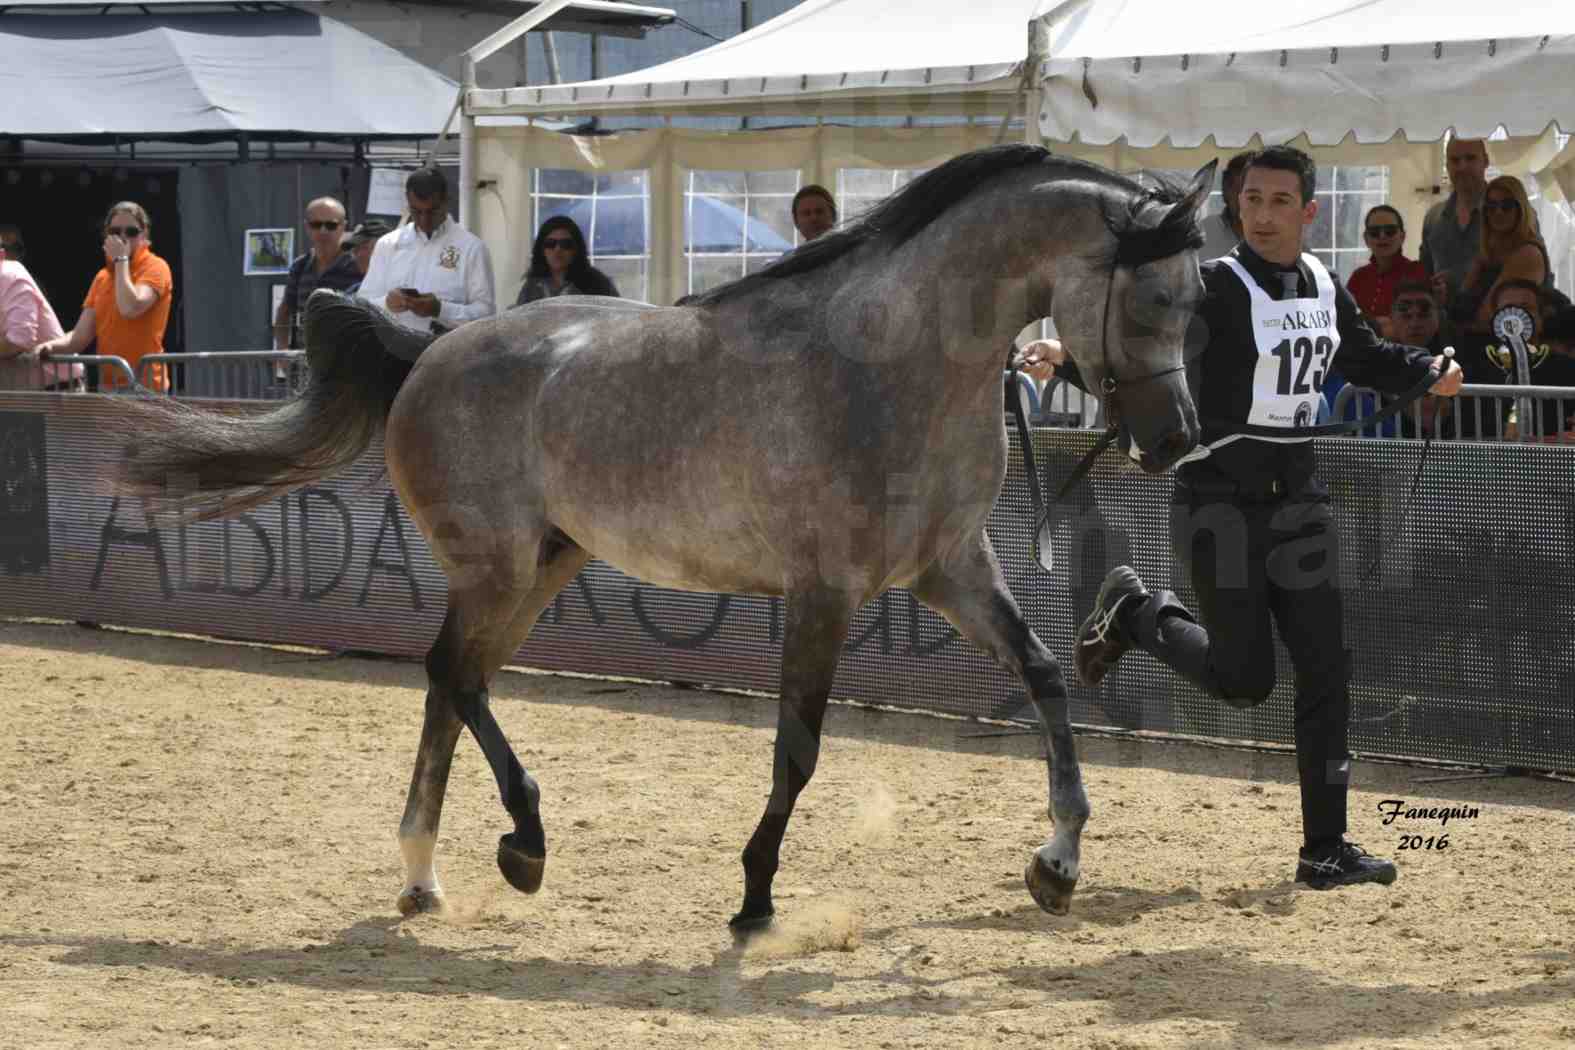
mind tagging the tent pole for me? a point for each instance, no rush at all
(467, 148)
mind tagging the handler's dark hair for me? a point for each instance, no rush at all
(427, 182)
(1286, 158)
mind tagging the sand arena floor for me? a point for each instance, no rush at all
(199, 850)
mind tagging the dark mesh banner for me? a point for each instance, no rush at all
(1461, 636)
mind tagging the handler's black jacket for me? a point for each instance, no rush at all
(1223, 358)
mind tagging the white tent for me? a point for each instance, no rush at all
(1132, 84)
(868, 56)
(823, 59)
(1323, 69)
(1127, 83)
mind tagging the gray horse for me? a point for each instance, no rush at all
(822, 430)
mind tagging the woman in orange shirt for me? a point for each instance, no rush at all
(128, 305)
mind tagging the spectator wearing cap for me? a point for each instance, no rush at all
(1416, 320)
(358, 246)
(324, 266)
(128, 305)
(26, 320)
(814, 212)
(1373, 284)
(431, 268)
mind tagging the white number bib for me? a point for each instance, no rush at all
(1296, 341)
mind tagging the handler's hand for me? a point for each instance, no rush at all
(396, 301)
(1040, 358)
(1450, 377)
(424, 305)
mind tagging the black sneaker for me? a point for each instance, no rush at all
(1101, 641)
(1342, 864)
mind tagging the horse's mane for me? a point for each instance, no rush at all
(908, 211)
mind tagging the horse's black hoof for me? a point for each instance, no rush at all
(754, 917)
(1051, 890)
(523, 870)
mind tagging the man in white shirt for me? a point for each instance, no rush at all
(430, 268)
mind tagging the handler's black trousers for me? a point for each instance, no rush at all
(1250, 560)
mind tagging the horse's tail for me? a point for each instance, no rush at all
(183, 457)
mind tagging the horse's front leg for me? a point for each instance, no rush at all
(969, 590)
(815, 627)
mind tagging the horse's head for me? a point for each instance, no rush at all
(1122, 312)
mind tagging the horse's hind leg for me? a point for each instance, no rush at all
(968, 590)
(483, 628)
(815, 627)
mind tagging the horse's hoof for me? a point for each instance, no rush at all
(522, 870)
(750, 921)
(417, 901)
(1051, 890)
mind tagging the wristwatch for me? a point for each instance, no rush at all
(122, 258)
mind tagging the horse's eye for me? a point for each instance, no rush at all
(1164, 300)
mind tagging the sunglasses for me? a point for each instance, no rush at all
(324, 224)
(1388, 230)
(558, 242)
(1414, 308)
(128, 232)
(1504, 206)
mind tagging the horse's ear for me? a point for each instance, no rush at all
(1202, 186)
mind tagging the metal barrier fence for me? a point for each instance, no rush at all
(1482, 412)
(61, 373)
(1463, 644)
(249, 375)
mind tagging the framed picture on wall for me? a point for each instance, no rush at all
(268, 252)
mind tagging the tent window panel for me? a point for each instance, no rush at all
(563, 180)
(1352, 222)
(1345, 192)
(764, 183)
(860, 189)
(708, 271)
(717, 182)
(612, 210)
(629, 274)
(735, 222)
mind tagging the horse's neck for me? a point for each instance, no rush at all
(975, 276)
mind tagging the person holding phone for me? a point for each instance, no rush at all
(430, 268)
(128, 306)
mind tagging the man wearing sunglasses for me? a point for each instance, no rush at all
(324, 266)
(1416, 320)
(431, 268)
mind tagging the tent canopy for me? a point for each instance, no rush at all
(198, 77)
(865, 53)
(1139, 72)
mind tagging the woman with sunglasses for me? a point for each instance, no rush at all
(1512, 249)
(1373, 284)
(560, 265)
(128, 305)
